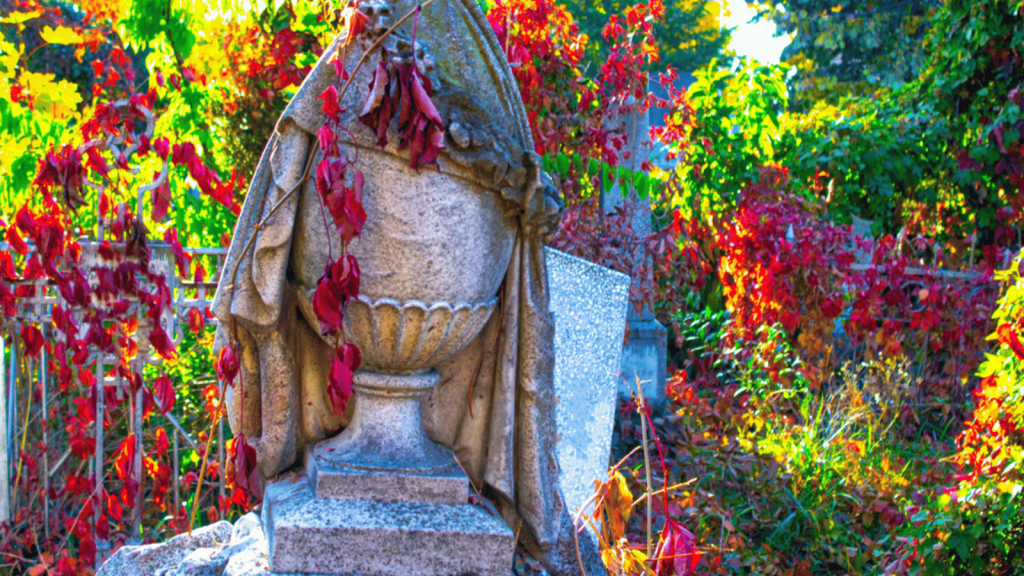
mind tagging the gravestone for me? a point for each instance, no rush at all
(644, 356)
(589, 303)
(455, 392)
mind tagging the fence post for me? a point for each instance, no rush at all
(12, 418)
(137, 472)
(5, 471)
(177, 479)
(46, 440)
(101, 545)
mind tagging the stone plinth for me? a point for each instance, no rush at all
(321, 535)
(589, 303)
(383, 499)
(442, 487)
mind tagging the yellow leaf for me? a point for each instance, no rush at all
(714, 9)
(1008, 487)
(9, 56)
(21, 17)
(60, 35)
(60, 99)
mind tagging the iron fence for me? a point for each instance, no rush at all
(20, 375)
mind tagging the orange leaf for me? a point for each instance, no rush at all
(618, 504)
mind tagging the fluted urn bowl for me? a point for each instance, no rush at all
(433, 253)
(411, 336)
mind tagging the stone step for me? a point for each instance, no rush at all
(446, 486)
(309, 535)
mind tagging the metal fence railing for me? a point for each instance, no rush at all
(25, 378)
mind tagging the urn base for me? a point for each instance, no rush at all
(310, 535)
(384, 454)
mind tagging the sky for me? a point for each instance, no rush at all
(754, 41)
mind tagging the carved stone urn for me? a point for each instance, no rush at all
(382, 498)
(433, 255)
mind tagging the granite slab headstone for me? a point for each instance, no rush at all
(589, 303)
(644, 359)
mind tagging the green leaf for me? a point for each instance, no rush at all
(642, 184)
(562, 163)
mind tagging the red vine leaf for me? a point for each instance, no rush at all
(677, 552)
(420, 124)
(227, 364)
(114, 507)
(183, 260)
(345, 362)
(325, 136)
(161, 444)
(63, 170)
(162, 147)
(196, 323)
(160, 199)
(379, 107)
(244, 460)
(353, 24)
(163, 390)
(162, 342)
(124, 459)
(33, 340)
(330, 106)
(339, 283)
(1007, 334)
(403, 86)
(15, 240)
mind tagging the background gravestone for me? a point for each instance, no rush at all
(644, 355)
(589, 304)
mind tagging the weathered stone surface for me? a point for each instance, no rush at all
(245, 554)
(202, 562)
(440, 487)
(309, 534)
(152, 558)
(384, 453)
(589, 303)
(453, 279)
(410, 336)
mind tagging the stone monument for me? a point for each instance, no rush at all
(645, 354)
(455, 395)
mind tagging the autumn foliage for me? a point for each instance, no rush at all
(839, 402)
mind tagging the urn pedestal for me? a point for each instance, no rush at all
(383, 499)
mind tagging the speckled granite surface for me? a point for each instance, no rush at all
(589, 303)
